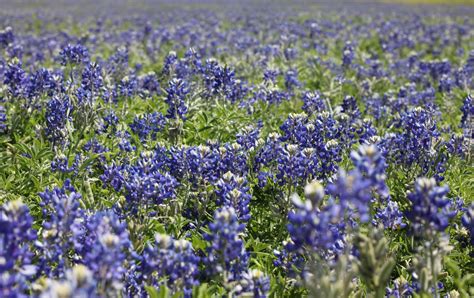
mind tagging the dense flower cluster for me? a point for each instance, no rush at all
(431, 209)
(16, 256)
(249, 150)
(226, 255)
(172, 262)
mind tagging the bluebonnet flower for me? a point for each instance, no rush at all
(176, 93)
(15, 78)
(469, 66)
(390, 216)
(290, 53)
(455, 145)
(16, 236)
(349, 107)
(78, 282)
(149, 85)
(61, 163)
(148, 125)
(233, 191)
(270, 75)
(118, 62)
(254, 283)
(60, 210)
(144, 183)
(369, 161)
(291, 79)
(6, 37)
(94, 146)
(270, 95)
(467, 221)
(110, 120)
(91, 77)
(348, 54)
(401, 288)
(445, 84)
(221, 80)
(467, 110)
(58, 114)
(128, 86)
(231, 157)
(101, 242)
(41, 82)
(124, 138)
(430, 208)
(313, 103)
(268, 152)
(354, 192)
(171, 262)
(170, 61)
(414, 143)
(294, 128)
(201, 162)
(74, 54)
(291, 261)
(248, 137)
(3, 119)
(226, 255)
(112, 176)
(295, 165)
(313, 229)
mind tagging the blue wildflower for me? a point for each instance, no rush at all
(16, 256)
(226, 255)
(74, 54)
(430, 208)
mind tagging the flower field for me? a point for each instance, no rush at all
(215, 149)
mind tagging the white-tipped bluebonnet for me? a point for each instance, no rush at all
(175, 98)
(144, 183)
(3, 119)
(390, 216)
(61, 164)
(369, 161)
(414, 143)
(226, 255)
(58, 114)
(467, 118)
(430, 209)
(170, 262)
(467, 221)
(16, 238)
(354, 192)
(313, 103)
(149, 85)
(270, 75)
(248, 137)
(78, 283)
(60, 210)
(254, 283)
(313, 229)
(169, 63)
(291, 79)
(101, 241)
(348, 54)
(92, 78)
(6, 37)
(74, 54)
(127, 86)
(221, 80)
(148, 125)
(233, 191)
(15, 78)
